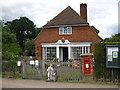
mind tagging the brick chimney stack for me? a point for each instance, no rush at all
(83, 11)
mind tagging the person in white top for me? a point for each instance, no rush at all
(50, 70)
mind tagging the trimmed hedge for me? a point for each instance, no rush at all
(99, 63)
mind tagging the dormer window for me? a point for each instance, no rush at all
(65, 30)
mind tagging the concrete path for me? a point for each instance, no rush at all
(25, 83)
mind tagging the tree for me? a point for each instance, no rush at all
(23, 28)
(1, 24)
(37, 31)
(25, 32)
(7, 36)
(29, 48)
(10, 49)
(113, 38)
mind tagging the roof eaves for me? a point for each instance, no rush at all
(95, 30)
(67, 25)
(96, 34)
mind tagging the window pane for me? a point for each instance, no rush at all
(88, 49)
(83, 49)
(69, 30)
(45, 53)
(76, 51)
(49, 53)
(65, 30)
(61, 30)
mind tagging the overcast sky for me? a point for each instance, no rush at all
(103, 14)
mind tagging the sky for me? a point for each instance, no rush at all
(103, 14)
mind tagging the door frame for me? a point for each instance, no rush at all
(61, 53)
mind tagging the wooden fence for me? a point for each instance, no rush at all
(65, 70)
(109, 75)
(31, 71)
(10, 69)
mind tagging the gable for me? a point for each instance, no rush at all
(67, 17)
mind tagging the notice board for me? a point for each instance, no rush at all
(113, 56)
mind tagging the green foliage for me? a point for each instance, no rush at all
(99, 61)
(55, 60)
(7, 36)
(37, 31)
(29, 48)
(10, 49)
(18, 38)
(113, 38)
(112, 43)
(1, 25)
(25, 32)
(23, 28)
(70, 60)
(99, 53)
(10, 69)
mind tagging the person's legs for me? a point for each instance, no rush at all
(48, 75)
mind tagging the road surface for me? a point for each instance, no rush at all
(26, 83)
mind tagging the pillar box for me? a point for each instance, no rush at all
(87, 63)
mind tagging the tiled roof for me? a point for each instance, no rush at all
(94, 29)
(67, 17)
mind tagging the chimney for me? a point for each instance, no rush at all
(83, 11)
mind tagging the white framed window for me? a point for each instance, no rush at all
(65, 30)
(49, 53)
(76, 51)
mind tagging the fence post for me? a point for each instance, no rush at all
(81, 76)
(112, 75)
(43, 67)
(23, 70)
(23, 65)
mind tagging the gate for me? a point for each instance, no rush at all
(65, 70)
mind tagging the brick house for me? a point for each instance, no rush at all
(66, 36)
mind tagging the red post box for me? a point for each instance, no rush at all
(87, 66)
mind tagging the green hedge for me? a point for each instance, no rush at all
(100, 70)
(99, 62)
(111, 43)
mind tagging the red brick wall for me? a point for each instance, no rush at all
(79, 34)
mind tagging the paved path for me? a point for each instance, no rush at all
(25, 83)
